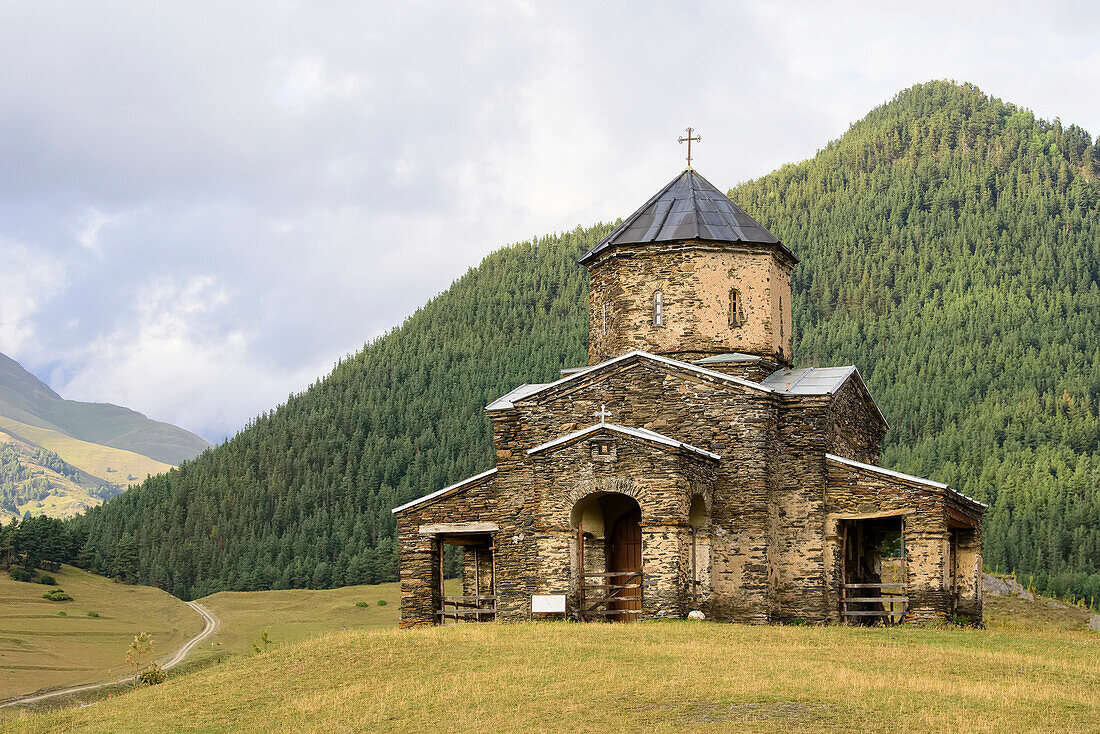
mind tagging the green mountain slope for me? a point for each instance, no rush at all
(950, 247)
(50, 467)
(38, 481)
(24, 398)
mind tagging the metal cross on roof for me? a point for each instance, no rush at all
(603, 414)
(688, 139)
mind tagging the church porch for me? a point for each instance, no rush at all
(896, 536)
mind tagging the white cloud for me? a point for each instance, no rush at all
(177, 367)
(256, 191)
(89, 234)
(27, 278)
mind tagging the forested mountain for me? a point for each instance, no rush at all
(950, 247)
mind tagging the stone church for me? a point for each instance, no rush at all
(689, 467)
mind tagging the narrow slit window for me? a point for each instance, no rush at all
(735, 307)
(604, 317)
(781, 322)
(658, 309)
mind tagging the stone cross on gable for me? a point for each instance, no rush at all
(603, 414)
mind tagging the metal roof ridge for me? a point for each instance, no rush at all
(445, 490)
(636, 353)
(901, 475)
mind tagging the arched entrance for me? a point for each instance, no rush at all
(608, 556)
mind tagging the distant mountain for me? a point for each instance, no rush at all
(60, 457)
(950, 247)
(25, 398)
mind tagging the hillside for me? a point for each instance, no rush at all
(950, 247)
(65, 456)
(659, 677)
(38, 481)
(42, 648)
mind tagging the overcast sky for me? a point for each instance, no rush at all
(204, 205)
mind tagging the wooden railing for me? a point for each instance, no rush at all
(891, 599)
(596, 596)
(477, 608)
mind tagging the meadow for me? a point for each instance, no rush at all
(292, 615)
(45, 645)
(1035, 672)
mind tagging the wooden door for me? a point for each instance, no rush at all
(626, 556)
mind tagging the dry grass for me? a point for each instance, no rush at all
(90, 457)
(41, 650)
(296, 614)
(661, 677)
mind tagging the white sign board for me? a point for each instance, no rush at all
(548, 603)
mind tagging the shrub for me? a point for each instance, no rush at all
(381, 602)
(20, 574)
(93, 614)
(151, 676)
(56, 595)
(361, 604)
(46, 579)
(62, 614)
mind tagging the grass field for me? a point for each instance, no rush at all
(1039, 674)
(40, 649)
(296, 614)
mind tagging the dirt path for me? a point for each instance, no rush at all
(210, 624)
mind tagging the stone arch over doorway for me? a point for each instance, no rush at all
(608, 555)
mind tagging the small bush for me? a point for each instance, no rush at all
(46, 579)
(151, 677)
(93, 614)
(361, 604)
(381, 602)
(62, 614)
(20, 574)
(56, 595)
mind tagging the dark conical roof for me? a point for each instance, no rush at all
(688, 208)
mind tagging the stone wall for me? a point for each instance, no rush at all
(796, 512)
(715, 414)
(755, 370)
(856, 429)
(695, 280)
(768, 549)
(500, 499)
(659, 479)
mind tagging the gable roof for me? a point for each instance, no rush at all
(817, 381)
(688, 208)
(452, 489)
(899, 475)
(508, 400)
(642, 433)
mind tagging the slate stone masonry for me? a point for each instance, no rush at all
(776, 478)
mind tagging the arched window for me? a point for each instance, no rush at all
(658, 309)
(735, 307)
